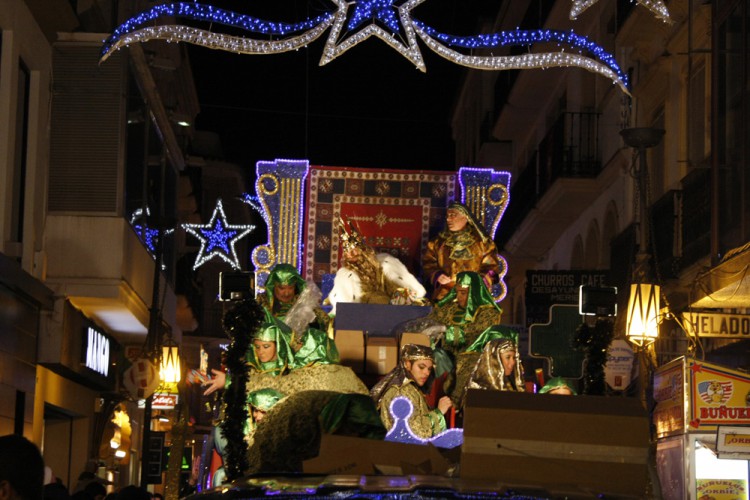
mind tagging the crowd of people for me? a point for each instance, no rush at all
(24, 476)
(295, 390)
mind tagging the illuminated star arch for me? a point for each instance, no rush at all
(352, 22)
(218, 238)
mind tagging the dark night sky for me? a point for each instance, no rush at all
(370, 107)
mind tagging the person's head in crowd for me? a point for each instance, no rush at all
(96, 489)
(56, 491)
(21, 469)
(82, 495)
(559, 386)
(133, 492)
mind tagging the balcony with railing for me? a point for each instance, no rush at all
(556, 185)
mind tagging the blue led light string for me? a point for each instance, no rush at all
(394, 18)
(209, 13)
(525, 38)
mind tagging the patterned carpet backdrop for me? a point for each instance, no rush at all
(396, 211)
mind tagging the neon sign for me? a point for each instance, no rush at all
(97, 352)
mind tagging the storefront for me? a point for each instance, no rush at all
(23, 302)
(695, 402)
(75, 397)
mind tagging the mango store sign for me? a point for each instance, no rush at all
(98, 352)
(717, 324)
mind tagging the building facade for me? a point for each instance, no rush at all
(86, 150)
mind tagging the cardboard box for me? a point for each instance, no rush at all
(351, 347)
(413, 338)
(350, 455)
(559, 443)
(378, 320)
(381, 355)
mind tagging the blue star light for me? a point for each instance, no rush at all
(375, 10)
(365, 21)
(147, 235)
(218, 238)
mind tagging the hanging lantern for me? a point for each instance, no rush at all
(170, 362)
(643, 314)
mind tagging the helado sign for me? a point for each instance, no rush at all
(718, 324)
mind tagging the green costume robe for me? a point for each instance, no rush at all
(290, 433)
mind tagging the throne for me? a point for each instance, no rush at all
(397, 211)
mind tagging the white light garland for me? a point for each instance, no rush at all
(335, 48)
(655, 6)
(211, 40)
(523, 61)
(371, 14)
(218, 238)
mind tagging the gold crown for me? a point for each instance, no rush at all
(350, 237)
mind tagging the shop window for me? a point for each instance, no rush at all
(19, 159)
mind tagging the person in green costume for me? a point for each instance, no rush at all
(270, 362)
(412, 379)
(291, 431)
(284, 287)
(259, 403)
(558, 386)
(289, 298)
(274, 352)
(472, 318)
(499, 365)
(270, 352)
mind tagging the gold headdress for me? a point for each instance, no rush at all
(414, 352)
(350, 237)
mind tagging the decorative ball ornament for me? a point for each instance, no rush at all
(355, 21)
(142, 378)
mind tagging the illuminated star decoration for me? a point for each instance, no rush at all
(359, 20)
(376, 12)
(218, 238)
(147, 235)
(655, 6)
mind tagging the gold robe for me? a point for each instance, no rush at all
(423, 421)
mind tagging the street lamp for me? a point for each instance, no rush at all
(170, 361)
(643, 314)
(643, 306)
